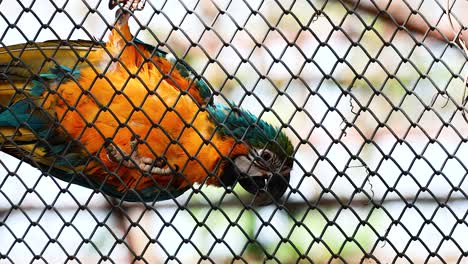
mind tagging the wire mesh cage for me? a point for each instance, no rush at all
(372, 95)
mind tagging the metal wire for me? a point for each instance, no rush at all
(372, 93)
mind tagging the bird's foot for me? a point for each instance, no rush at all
(131, 5)
(123, 14)
(134, 160)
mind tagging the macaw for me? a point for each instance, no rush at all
(124, 118)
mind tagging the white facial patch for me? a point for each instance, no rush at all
(245, 165)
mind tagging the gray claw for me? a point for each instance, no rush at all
(131, 5)
(134, 160)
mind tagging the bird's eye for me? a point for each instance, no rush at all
(267, 156)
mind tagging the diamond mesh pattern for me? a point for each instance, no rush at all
(372, 94)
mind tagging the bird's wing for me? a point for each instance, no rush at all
(22, 61)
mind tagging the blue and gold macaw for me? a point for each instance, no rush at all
(124, 118)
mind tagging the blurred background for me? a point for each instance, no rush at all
(373, 94)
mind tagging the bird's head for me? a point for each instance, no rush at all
(264, 168)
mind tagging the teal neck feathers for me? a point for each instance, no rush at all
(243, 125)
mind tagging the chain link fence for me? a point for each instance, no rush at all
(372, 94)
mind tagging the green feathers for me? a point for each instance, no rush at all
(243, 125)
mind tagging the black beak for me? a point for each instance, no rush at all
(267, 189)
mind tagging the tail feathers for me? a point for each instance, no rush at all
(26, 113)
(52, 150)
(16, 134)
(65, 166)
